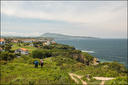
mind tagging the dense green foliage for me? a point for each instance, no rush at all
(118, 81)
(6, 56)
(41, 54)
(24, 73)
(59, 60)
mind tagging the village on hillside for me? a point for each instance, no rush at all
(6, 44)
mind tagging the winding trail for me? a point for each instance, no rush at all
(104, 79)
(71, 74)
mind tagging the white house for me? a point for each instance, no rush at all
(31, 44)
(2, 41)
(47, 43)
(22, 51)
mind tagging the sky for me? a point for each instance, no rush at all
(103, 19)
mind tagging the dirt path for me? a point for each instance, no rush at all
(102, 83)
(104, 79)
(71, 74)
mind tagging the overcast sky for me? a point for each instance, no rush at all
(104, 19)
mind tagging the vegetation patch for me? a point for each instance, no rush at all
(59, 60)
(80, 82)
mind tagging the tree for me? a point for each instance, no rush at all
(3, 47)
(7, 40)
(8, 47)
(4, 56)
(37, 54)
(19, 41)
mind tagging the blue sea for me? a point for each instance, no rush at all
(106, 50)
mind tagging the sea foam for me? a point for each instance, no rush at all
(87, 51)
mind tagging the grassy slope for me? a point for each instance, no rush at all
(54, 72)
(30, 48)
(20, 73)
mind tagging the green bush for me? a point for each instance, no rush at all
(31, 82)
(88, 56)
(4, 55)
(92, 79)
(25, 57)
(41, 54)
(7, 56)
(3, 62)
(118, 81)
(31, 61)
(11, 56)
(84, 78)
(90, 76)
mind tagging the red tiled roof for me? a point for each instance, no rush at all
(28, 39)
(24, 49)
(2, 39)
(0, 48)
(53, 42)
(15, 40)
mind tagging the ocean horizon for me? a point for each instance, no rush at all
(106, 50)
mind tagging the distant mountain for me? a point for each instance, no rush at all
(61, 36)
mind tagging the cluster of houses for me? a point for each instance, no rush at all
(23, 50)
(47, 42)
(24, 40)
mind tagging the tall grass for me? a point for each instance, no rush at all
(25, 73)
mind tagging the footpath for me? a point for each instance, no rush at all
(71, 74)
(104, 79)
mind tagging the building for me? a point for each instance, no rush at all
(54, 43)
(28, 40)
(2, 41)
(47, 43)
(15, 41)
(22, 51)
(31, 44)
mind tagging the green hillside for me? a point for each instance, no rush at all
(61, 36)
(59, 61)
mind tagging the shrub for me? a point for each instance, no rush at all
(88, 56)
(92, 79)
(31, 61)
(11, 67)
(17, 79)
(25, 57)
(11, 56)
(90, 76)
(31, 83)
(3, 62)
(84, 78)
(118, 81)
(18, 54)
(41, 53)
(4, 56)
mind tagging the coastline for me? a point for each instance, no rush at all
(106, 50)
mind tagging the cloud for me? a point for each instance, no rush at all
(35, 34)
(90, 17)
(61, 11)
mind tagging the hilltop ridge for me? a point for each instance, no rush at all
(62, 36)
